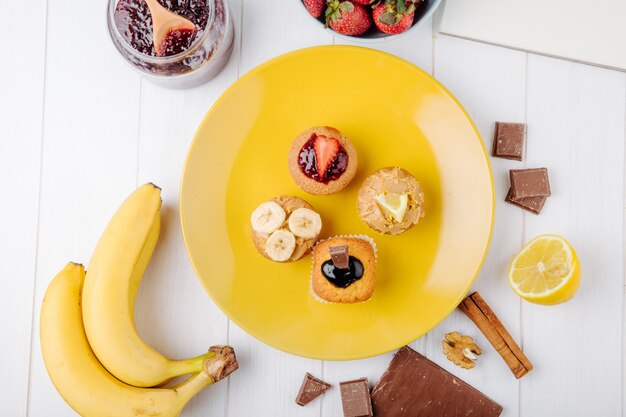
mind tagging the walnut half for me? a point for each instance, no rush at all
(460, 349)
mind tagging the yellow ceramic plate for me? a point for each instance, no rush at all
(395, 114)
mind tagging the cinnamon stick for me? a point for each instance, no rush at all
(475, 307)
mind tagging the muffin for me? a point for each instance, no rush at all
(344, 269)
(391, 201)
(285, 228)
(322, 160)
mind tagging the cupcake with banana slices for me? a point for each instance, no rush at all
(285, 228)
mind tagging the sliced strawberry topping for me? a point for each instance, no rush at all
(323, 159)
(326, 150)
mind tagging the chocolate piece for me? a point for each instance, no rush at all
(355, 398)
(416, 387)
(508, 140)
(529, 183)
(311, 389)
(340, 256)
(532, 204)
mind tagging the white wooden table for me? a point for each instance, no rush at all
(79, 130)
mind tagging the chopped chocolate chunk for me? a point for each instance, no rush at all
(532, 204)
(529, 183)
(311, 389)
(508, 140)
(340, 256)
(355, 398)
(416, 387)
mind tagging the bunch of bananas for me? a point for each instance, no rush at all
(90, 346)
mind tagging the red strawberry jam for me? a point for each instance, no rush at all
(134, 22)
(323, 159)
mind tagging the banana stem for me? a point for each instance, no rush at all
(220, 363)
(189, 366)
(192, 385)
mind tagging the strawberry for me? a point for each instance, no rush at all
(347, 18)
(315, 7)
(394, 16)
(326, 150)
(363, 2)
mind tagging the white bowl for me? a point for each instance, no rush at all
(374, 35)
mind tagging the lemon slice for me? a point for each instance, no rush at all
(395, 204)
(546, 271)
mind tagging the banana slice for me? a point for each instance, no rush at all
(305, 223)
(268, 217)
(280, 245)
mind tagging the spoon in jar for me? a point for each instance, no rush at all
(164, 23)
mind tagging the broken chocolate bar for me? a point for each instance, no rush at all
(532, 204)
(416, 387)
(355, 398)
(508, 140)
(529, 183)
(340, 256)
(311, 389)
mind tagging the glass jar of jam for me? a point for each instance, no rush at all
(190, 58)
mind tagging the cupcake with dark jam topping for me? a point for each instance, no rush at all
(322, 160)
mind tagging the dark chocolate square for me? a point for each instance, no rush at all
(532, 204)
(416, 387)
(508, 140)
(340, 256)
(532, 182)
(355, 398)
(311, 389)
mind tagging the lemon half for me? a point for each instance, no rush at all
(546, 271)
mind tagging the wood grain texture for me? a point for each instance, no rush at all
(490, 83)
(21, 105)
(269, 380)
(89, 156)
(576, 129)
(262, 40)
(105, 131)
(170, 293)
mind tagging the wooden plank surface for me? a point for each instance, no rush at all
(89, 156)
(21, 114)
(576, 128)
(103, 131)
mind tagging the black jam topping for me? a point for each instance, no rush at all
(342, 278)
(310, 166)
(134, 22)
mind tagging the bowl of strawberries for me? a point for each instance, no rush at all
(370, 20)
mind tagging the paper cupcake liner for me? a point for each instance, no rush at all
(362, 237)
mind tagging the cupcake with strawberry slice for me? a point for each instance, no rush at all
(322, 160)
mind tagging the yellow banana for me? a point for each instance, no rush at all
(115, 270)
(85, 384)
